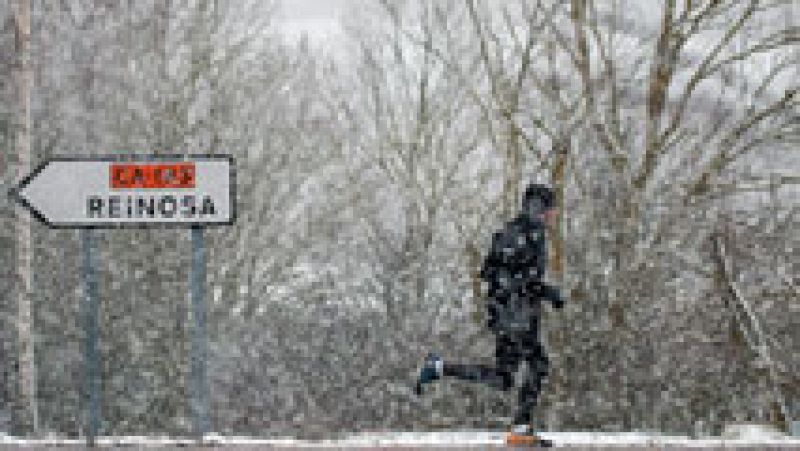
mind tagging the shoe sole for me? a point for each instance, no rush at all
(527, 440)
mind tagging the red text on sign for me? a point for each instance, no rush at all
(152, 176)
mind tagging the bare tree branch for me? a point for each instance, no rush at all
(759, 343)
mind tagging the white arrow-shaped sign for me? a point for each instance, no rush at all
(114, 191)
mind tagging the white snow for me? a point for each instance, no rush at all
(433, 439)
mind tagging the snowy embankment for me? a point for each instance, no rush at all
(466, 439)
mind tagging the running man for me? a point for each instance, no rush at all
(514, 271)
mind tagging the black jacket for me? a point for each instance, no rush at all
(514, 270)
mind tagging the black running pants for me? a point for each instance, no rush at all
(510, 351)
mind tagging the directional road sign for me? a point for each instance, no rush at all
(133, 190)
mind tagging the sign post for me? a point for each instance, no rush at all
(136, 191)
(91, 375)
(200, 402)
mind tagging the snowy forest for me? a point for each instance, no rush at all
(371, 171)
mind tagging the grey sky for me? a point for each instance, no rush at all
(319, 19)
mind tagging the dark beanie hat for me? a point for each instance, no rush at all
(540, 192)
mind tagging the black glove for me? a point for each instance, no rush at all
(554, 295)
(491, 320)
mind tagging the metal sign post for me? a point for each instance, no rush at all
(200, 402)
(91, 377)
(136, 191)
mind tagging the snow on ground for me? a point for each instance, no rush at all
(465, 439)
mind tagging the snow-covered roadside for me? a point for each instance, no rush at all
(466, 439)
(476, 438)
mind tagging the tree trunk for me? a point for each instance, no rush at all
(473, 255)
(26, 415)
(557, 333)
(513, 172)
(559, 179)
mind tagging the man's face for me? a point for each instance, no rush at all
(551, 217)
